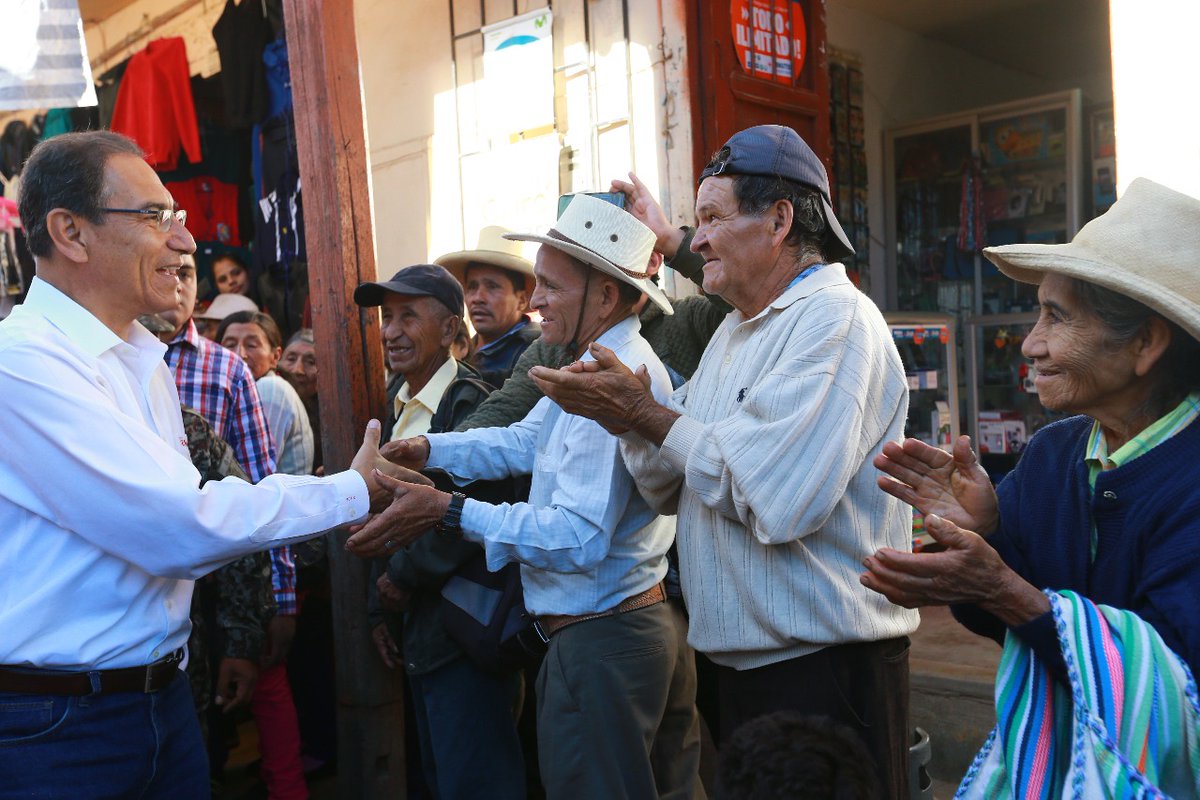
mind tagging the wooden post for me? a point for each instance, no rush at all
(335, 175)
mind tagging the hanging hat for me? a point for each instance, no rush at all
(777, 151)
(1146, 246)
(607, 238)
(494, 250)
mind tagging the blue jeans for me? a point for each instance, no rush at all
(467, 732)
(122, 745)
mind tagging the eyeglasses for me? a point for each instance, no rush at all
(165, 215)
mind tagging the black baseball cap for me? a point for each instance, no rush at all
(427, 280)
(777, 151)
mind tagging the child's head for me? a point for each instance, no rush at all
(788, 754)
(231, 275)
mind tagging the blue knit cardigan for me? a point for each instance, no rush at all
(1147, 518)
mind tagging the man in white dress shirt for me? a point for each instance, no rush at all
(102, 526)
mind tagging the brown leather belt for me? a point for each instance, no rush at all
(549, 625)
(150, 678)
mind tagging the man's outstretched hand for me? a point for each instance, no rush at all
(607, 391)
(368, 462)
(415, 508)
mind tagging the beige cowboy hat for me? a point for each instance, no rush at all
(607, 238)
(225, 304)
(1147, 247)
(493, 249)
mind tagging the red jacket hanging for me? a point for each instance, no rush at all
(154, 105)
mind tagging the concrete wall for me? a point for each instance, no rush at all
(908, 78)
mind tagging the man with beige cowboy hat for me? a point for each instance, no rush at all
(1101, 509)
(616, 710)
(497, 281)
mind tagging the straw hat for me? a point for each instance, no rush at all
(225, 304)
(493, 249)
(1147, 247)
(607, 238)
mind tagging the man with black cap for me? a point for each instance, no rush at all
(468, 741)
(616, 690)
(766, 454)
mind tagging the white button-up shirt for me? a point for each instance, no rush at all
(102, 525)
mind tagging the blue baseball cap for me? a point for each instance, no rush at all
(777, 151)
(428, 280)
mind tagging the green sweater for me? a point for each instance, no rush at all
(678, 339)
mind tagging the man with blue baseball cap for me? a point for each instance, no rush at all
(766, 455)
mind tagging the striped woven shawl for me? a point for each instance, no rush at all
(1127, 727)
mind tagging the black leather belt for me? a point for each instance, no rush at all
(150, 678)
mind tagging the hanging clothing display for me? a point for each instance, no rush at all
(212, 207)
(241, 34)
(154, 104)
(44, 62)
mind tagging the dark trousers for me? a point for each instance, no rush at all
(616, 710)
(103, 746)
(469, 745)
(863, 685)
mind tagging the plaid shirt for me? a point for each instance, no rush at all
(218, 384)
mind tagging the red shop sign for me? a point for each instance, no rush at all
(769, 36)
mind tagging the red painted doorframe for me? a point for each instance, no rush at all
(727, 99)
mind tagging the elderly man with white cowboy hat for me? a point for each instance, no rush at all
(1086, 558)
(616, 705)
(497, 282)
(766, 455)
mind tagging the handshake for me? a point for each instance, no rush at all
(404, 503)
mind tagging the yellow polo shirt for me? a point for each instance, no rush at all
(415, 413)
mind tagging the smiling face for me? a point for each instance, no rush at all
(492, 301)
(417, 332)
(737, 248)
(1078, 372)
(185, 304)
(132, 267)
(558, 294)
(230, 276)
(299, 360)
(250, 341)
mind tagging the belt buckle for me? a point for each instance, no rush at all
(537, 627)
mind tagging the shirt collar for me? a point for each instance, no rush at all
(190, 335)
(83, 328)
(431, 393)
(495, 343)
(1096, 453)
(617, 336)
(828, 275)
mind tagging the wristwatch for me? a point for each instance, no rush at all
(451, 521)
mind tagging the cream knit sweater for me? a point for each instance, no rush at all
(770, 472)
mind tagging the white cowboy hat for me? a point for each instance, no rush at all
(1147, 247)
(493, 249)
(607, 238)
(225, 304)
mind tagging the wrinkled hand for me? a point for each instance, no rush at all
(642, 204)
(954, 486)
(280, 633)
(605, 390)
(391, 597)
(412, 453)
(386, 645)
(414, 509)
(969, 570)
(235, 683)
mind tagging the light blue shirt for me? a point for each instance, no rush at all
(586, 540)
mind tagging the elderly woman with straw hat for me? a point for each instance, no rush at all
(1085, 560)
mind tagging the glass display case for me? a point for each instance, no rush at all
(993, 176)
(1004, 409)
(929, 351)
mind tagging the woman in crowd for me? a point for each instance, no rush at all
(299, 365)
(255, 337)
(1090, 569)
